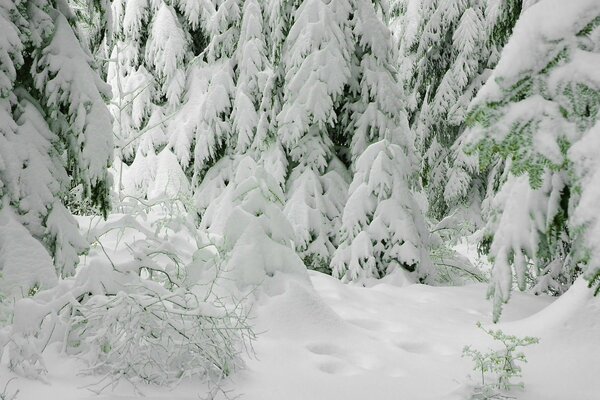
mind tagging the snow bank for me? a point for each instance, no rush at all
(345, 342)
(24, 262)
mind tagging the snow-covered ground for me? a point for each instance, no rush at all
(337, 341)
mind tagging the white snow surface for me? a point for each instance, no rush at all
(328, 340)
(24, 262)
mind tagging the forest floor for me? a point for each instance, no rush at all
(383, 342)
(333, 341)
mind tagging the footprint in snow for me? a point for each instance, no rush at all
(425, 348)
(414, 347)
(340, 363)
(338, 368)
(327, 349)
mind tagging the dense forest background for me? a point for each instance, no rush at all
(165, 163)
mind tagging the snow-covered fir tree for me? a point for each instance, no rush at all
(377, 107)
(381, 146)
(94, 20)
(55, 135)
(529, 125)
(151, 44)
(586, 167)
(252, 64)
(338, 99)
(383, 227)
(315, 59)
(449, 47)
(253, 235)
(466, 186)
(231, 103)
(221, 112)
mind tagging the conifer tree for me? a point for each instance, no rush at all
(278, 20)
(372, 241)
(252, 73)
(529, 122)
(55, 134)
(377, 110)
(93, 19)
(255, 238)
(466, 185)
(450, 50)
(315, 59)
(585, 218)
(152, 44)
(223, 106)
(382, 227)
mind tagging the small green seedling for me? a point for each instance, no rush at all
(498, 368)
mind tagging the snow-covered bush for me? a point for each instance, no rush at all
(497, 369)
(157, 335)
(141, 308)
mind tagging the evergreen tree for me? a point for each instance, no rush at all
(252, 73)
(254, 237)
(376, 110)
(244, 111)
(93, 18)
(524, 122)
(152, 44)
(372, 241)
(450, 50)
(585, 216)
(55, 134)
(315, 60)
(314, 206)
(382, 227)
(466, 185)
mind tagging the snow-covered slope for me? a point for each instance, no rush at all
(334, 341)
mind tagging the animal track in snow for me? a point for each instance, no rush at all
(324, 349)
(334, 367)
(414, 347)
(424, 348)
(341, 362)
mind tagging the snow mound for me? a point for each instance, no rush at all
(24, 262)
(564, 364)
(577, 305)
(256, 258)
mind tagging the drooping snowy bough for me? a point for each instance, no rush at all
(534, 127)
(55, 130)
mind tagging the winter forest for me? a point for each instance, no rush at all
(300, 199)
